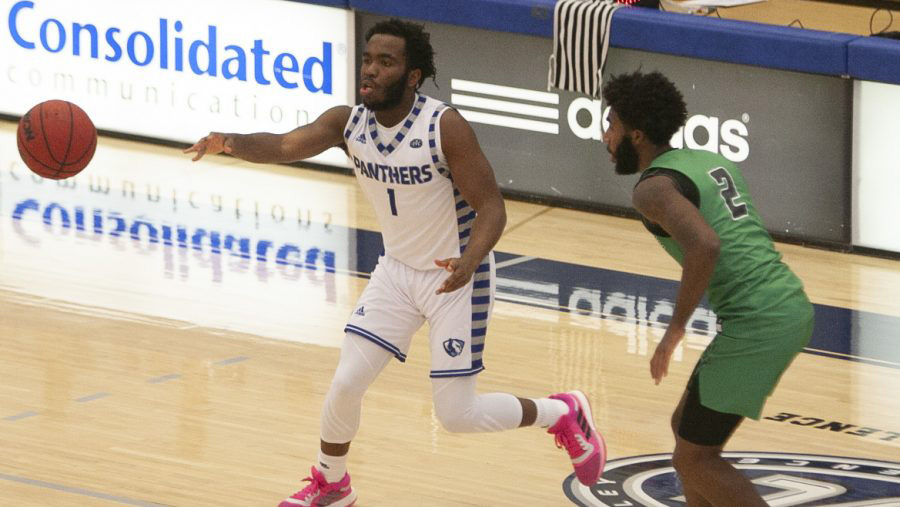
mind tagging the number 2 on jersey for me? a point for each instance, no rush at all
(729, 193)
(393, 199)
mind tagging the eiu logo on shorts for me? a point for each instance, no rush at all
(453, 346)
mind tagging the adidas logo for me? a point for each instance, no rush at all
(583, 423)
(361, 311)
(361, 138)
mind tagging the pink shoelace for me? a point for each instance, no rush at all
(309, 491)
(573, 445)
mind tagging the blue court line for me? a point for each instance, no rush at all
(78, 491)
(92, 397)
(23, 415)
(163, 378)
(231, 360)
(104, 394)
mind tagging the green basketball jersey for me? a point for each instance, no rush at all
(751, 289)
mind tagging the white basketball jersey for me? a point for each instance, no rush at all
(403, 172)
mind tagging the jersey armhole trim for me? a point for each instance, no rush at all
(682, 183)
(434, 141)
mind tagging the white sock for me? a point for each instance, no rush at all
(549, 411)
(332, 467)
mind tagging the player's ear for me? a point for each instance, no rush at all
(414, 77)
(638, 137)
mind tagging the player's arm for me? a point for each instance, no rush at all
(303, 142)
(658, 199)
(474, 177)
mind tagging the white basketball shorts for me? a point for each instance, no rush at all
(399, 299)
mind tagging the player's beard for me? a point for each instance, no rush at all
(626, 157)
(393, 95)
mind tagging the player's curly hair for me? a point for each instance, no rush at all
(647, 102)
(419, 53)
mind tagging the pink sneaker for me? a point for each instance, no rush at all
(576, 432)
(320, 493)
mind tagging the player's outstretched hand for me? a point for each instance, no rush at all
(215, 142)
(459, 276)
(659, 363)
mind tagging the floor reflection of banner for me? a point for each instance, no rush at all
(149, 233)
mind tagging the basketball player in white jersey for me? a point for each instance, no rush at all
(440, 212)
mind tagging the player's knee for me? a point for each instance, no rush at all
(345, 387)
(690, 460)
(684, 463)
(453, 419)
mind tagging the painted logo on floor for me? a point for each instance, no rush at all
(783, 479)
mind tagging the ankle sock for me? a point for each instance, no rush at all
(332, 467)
(549, 411)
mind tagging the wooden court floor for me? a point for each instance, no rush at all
(139, 373)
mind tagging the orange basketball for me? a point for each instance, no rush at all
(56, 139)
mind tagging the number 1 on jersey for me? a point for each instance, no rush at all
(393, 199)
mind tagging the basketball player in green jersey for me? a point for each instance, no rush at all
(697, 206)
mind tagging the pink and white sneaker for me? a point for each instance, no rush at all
(576, 432)
(320, 493)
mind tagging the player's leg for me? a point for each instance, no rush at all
(460, 409)
(380, 327)
(692, 498)
(458, 329)
(360, 364)
(736, 374)
(700, 435)
(329, 483)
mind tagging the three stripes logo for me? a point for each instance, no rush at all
(583, 441)
(582, 422)
(361, 311)
(506, 106)
(361, 139)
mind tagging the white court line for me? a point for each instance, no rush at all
(850, 356)
(514, 261)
